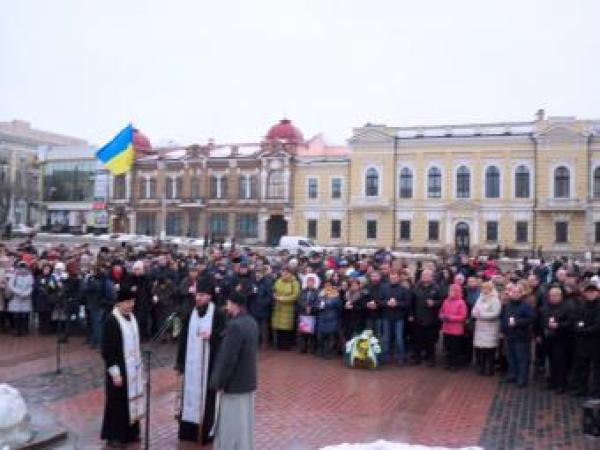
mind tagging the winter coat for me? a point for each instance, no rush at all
(379, 293)
(453, 315)
(403, 303)
(328, 314)
(98, 292)
(285, 294)
(486, 313)
(562, 315)
(586, 326)
(20, 286)
(426, 316)
(44, 293)
(523, 315)
(261, 303)
(308, 302)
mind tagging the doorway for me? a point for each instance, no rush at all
(276, 227)
(461, 238)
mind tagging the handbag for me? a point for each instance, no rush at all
(306, 324)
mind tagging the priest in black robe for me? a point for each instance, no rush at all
(199, 341)
(124, 387)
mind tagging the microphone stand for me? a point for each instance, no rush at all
(148, 356)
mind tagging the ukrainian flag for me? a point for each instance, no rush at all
(118, 155)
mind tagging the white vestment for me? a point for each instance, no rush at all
(133, 365)
(195, 380)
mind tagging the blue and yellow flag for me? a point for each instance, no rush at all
(118, 155)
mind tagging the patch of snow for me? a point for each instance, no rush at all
(385, 445)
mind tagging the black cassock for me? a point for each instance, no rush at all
(189, 431)
(115, 426)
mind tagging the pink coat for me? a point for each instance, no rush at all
(455, 312)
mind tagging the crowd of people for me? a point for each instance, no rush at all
(543, 316)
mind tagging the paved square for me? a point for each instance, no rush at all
(305, 402)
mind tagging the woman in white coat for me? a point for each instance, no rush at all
(486, 313)
(20, 286)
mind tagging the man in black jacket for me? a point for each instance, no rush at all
(586, 321)
(234, 376)
(394, 313)
(427, 300)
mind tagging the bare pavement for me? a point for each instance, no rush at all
(304, 402)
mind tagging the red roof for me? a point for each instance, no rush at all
(285, 131)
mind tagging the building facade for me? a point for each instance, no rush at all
(20, 179)
(74, 190)
(521, 187)
(241, 191)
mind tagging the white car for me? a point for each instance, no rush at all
(22, 230)
(299, 245)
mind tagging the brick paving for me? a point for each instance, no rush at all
(304, 402)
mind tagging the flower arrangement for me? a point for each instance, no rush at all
(362, 350)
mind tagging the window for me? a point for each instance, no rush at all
(119, 191)
(218, 186)
(597, 232)
(434, 183)
(336, 229)
(406, 183)
(247, 226)
(561, 232)
(218, 225)
(195, 188)
(372, 183)
(491, 231)
(173, 187)
(562, 180)
(311, 228)
(336, 188)
(405, 230)
(463, 182)
(521, 231)
(145, 223)
(522, 182)
(371, 229)
(492, 182)
(174, 224)
(276, 184)
(433, 230)
(67, 180)
(151, 192)
(597, 182)
(313, 188)
(142, 194)
(194, 225)
(244, 188)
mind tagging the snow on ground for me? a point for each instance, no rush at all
(384, 445)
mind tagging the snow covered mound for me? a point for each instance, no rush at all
(384, 445)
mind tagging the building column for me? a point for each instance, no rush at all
(128, 185)
(262, 227)
(132, 224)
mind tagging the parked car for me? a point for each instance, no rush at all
(23, 230)
(299, 245)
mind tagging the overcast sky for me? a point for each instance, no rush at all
(191, 70)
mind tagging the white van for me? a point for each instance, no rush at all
(299, 245)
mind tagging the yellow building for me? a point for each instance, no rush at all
(520, 186)
(321, 187)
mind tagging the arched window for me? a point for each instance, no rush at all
(492, 182)
(522, 182)
(275, 184)
(597, 182)
(463, 182)
(406, 183)
(120, 188)
(562, 180)
(434, 183)
(372, 183)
